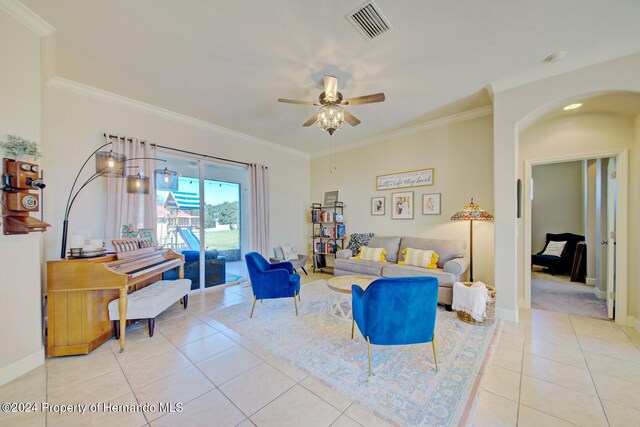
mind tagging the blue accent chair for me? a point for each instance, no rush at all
(270, 281)
(395, 311)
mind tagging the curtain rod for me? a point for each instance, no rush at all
(202, 155)
(185, 151)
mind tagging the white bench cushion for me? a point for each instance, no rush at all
(152, 300)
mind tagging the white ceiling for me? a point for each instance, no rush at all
(227, 62)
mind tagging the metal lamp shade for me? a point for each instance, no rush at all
(109, 163)
(137, 184)
(166, 180)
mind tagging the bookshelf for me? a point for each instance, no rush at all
(327, 233)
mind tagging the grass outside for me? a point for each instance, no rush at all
(223, 239)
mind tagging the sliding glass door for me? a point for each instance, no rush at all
(202, 217)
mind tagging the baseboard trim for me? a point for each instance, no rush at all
(20, 367)
(505, 314)
(633, 322)
(600, 294)
(591, 281)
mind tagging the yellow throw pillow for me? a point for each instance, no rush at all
(372, 254)
(420, 258)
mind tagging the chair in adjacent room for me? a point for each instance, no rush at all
(558, 264)
(270, 281)
(396, 311)
(300, 261)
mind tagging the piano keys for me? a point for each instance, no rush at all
(79, 291)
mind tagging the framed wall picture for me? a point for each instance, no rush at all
(377, 205)
(330, 198)
(148, 233)
(431, 204)
(402, 205)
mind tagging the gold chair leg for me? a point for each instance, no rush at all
(353, 326)
(295, 302)
(253, 306)
(299, 298)
(369, 350)
(433, 345)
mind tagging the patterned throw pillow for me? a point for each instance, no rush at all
(372, 254)
(420, 258)
(358, 239)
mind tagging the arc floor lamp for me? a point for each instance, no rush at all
(109, 164)
(471, 212)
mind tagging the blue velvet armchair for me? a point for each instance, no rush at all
(270, 281)
(398, 310)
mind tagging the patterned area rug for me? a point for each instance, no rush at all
(404, 387)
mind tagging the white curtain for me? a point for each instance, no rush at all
(259, 183)
(124, 208)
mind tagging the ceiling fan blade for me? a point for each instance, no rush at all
(330, 87)
(293, 101)
(366, 99)
(311, 121)
(350, 118)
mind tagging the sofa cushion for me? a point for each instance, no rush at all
(371, 254)
(446, 249)
(395, 270)
(353, 266)
(390, 243)
(419, 258)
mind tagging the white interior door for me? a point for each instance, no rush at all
(611, 236)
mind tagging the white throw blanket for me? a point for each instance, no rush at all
(471, 299)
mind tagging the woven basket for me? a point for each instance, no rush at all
(491, 309)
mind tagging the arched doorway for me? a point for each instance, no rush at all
(602, 128)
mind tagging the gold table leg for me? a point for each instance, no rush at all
(122, 309)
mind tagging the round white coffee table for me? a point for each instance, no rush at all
(340, 295)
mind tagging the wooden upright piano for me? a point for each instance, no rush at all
(79, 291)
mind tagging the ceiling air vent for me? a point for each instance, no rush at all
(369, 20)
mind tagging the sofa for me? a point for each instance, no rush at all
(451, 265)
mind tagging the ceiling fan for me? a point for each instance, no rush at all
(332, 116)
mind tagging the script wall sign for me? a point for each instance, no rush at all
(408, 179)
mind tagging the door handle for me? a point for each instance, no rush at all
(604, 242)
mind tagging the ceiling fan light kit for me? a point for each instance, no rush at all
(331, 116)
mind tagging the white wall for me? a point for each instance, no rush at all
(511, 108)
(460, 153)
(558, 204)
(20, 102)
(75, 118)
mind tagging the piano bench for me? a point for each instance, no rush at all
(150, 301)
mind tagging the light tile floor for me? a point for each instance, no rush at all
(550, 369)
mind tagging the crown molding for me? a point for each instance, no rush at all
(112, 98)
(400, 133)
(27, 17)
(545, 71)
